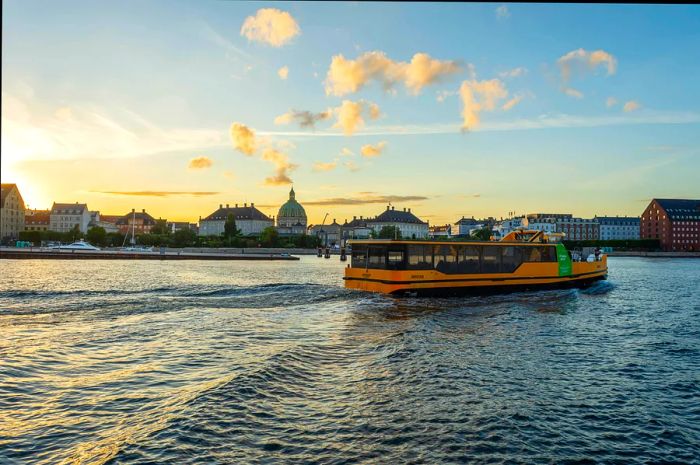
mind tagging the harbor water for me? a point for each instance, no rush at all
(135, 362)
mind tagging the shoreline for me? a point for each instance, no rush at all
(655, 254)
(39, 253)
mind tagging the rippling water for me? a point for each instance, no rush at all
(247, 362)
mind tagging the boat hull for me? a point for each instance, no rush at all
(432, 283)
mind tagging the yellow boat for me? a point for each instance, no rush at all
(523, 260)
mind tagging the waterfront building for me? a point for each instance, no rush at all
(12, 211)
(108, 223)
(37, 220)
(291, 218)
(466, 226)
(138, 222)
(440, 232)
(358, 228)
(618, 227)
(410, 225)
(548, 225)
(249, 220)
(579, 229)
(328, 233)
(504, 227)
(65, 216)
(674, 222)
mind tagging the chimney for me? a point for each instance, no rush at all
(133, 210)
(221, 206)
(387, 208)
(404, 208)
(236, 205)
(143, 210)
(245, 204)
(354, 218)
(360, 216)
(392, 207)
(226, 205)
(333, 220)
(409, 210)
(252, 204)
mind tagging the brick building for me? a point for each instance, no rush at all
(37, 220)
(140, 222)
(675, 222)
(11, 212)
(579, 229)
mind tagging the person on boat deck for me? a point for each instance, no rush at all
(597, 253)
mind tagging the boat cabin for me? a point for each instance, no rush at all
(449, 257)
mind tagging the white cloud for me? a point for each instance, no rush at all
(611, 102)
(502, 12)
(571, 92)
(513, 73)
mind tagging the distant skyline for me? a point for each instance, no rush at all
(449, 109)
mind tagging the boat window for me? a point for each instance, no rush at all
(510, 259)
(420, 257)
(377, 258)
(395, 260)
(469, 259)
(359, 256)
(549, 254)
(445, 258)
(491, 260)
(539, 254)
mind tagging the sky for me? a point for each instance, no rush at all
(449, 109)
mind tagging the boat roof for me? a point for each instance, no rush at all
(441, 242)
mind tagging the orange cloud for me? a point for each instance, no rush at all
(348, 76)
(282, 167)
(270, 26)
(370, 151)
(512, 102)
(478, 96)
(330, 166)
(632, 105)
(582, 61)
(350, 115)
(200, 163)
(283, 72)
(243, 139)
(611, 102)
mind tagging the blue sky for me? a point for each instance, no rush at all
(103, 99)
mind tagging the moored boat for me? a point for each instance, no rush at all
(523, 260)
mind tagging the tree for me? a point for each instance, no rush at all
(72, 235)
(483, 234)
(269, 237)
(390, 232)
(230, 229)
(184, 237)
(161, 227)
(96, 235)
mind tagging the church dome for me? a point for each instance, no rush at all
(291, 212)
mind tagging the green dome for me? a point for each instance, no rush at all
(291, 208)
